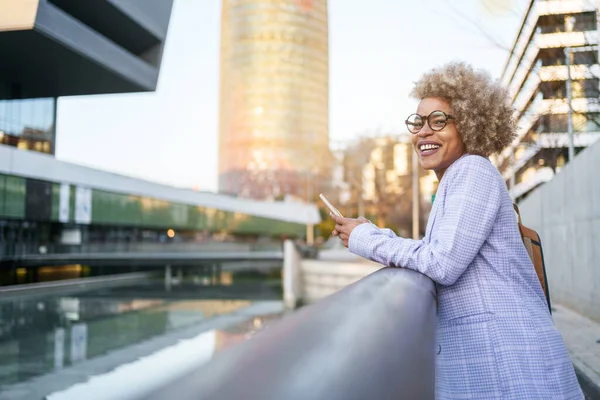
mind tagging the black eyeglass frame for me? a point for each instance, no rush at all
(447, 116)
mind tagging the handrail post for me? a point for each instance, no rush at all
(291, 276)
(168, 278)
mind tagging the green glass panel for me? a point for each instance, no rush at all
(266, 226)
(130, 210)
(180, 215)
(72, 203)
(116, 209)
(14, 197)
(55, 201)
(196, 219)
(2, 193)
(156, 213)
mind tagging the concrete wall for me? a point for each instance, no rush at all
(566, 214)
(323, 278)
(308, 281)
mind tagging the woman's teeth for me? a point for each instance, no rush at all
(424, 147)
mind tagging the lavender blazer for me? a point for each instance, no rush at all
(496, 338)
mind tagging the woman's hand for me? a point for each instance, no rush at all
(345, 226)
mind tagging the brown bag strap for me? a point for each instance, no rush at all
(518, 213)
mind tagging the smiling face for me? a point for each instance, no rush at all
(437, 150)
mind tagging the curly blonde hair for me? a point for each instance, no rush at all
(484, 115)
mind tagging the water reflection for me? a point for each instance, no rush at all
(39, 335)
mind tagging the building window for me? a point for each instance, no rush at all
(559, 123)
(557, 23)
(584, 22)
(552, 23)
(554, 123)
(587, 88)
(552, 57)
(585, 58)
(589, 122)
(556, 56)
(28, 124)
(553, 90)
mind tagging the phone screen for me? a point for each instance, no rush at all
(330, 206)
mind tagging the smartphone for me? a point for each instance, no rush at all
(330, 206)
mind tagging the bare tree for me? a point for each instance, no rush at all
(479, 27)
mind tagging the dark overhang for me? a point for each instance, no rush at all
(85, 47)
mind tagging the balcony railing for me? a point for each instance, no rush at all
(550, 7)
(374, 339)
(540, 7)
(542, 175)
(522, 160)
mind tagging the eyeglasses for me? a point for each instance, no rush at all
(437, 121)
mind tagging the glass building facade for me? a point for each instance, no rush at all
(28, 124)
(274, 104)
(536, 74)
(49, 206)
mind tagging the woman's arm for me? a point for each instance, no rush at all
(388, 232)
(471, 204)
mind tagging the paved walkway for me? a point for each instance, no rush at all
(582, 337)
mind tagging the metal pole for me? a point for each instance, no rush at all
(415, 191)
(310, 229)
(310, 234)
(570, 103)
(512, 172)
(168, 278)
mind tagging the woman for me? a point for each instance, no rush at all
(496, 338)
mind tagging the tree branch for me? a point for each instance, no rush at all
(481, 29)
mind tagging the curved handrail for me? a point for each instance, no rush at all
(374, 339)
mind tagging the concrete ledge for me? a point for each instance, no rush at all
(74, 285)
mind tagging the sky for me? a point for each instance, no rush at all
(378, 49)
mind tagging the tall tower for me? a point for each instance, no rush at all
(274, 102)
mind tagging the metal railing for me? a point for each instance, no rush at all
(374, 339)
